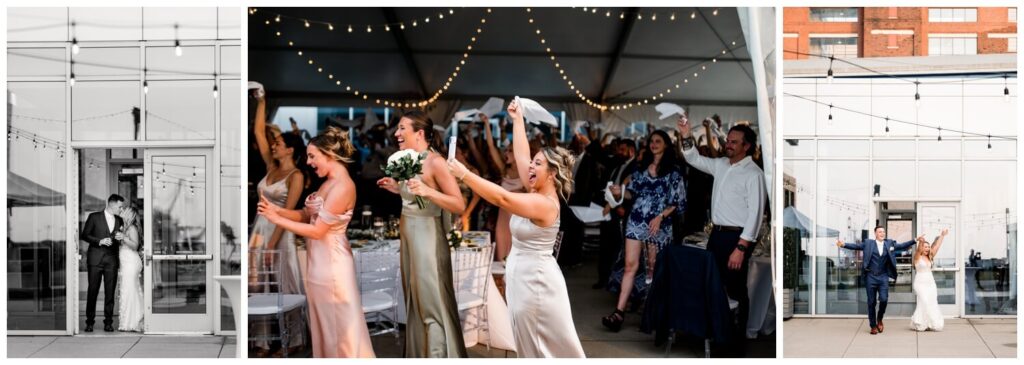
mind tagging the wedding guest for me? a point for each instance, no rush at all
(612, 231)
(337, 324)
(433, 328)
(510, 181)
(657, 191)
(538, 301)
(737, 204)
(588, 178)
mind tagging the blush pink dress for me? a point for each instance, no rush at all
(336, 320)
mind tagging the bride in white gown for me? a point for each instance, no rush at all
(927, 315)
(130, 288)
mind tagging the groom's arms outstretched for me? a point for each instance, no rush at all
(905, 245)
(849, 246)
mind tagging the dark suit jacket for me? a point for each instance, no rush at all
(95, 230)
(890, 246)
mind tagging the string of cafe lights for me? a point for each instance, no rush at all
(38, 141)
(603, 107)
(350, 28)
(888, 119)
(830, 75)
(645, 15)
(474, 37)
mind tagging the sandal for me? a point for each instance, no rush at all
(614, 321)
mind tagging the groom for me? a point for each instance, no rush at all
(103, 232)
(879, 265)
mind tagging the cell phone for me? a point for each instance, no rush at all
(451, 148)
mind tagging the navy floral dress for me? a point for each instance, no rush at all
(651, 196)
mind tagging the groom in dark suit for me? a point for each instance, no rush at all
(103, 232)
(879, 265)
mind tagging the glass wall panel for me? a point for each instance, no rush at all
(895, 179)
(195, 60)
(179, 228)
(231, 61)
(37, 24)
(36, 209)
(798, 231)
(180, 23)
(123, 61)
(231, 229)
(902, 149)
(105, 110)
(106, 23)
(844, 211)
(844, 148)
(990, 216)
(39, 62)
(938, 179)
(180, 110)
(799, 148)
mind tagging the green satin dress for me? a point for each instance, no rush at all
(432, 325)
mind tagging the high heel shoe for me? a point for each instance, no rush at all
(614, 321)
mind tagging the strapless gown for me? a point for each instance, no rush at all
(927, 315)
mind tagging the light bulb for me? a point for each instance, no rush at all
(74, 46)
(145, 87)
(829, 76)
(177, 48)
(215, 92)
(917, 100)
(1006, 94)
(72, 80)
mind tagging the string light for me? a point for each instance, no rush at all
(74, 46)
(145, 87)
(917, 94)
(829, 75)
(940, 134)
(422, 103)
(830, 113)
(177, 48)
(1006, 91)
(309, 23)
(215, 92)
(888, 119)
(887, 125)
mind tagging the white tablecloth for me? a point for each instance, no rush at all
(761, 317)
(500, 325)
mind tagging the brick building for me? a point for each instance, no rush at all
(898, 31)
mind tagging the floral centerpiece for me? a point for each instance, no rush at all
(455, 238)
(404, 165)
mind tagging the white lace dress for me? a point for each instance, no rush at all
(129, 311)
(927, 315)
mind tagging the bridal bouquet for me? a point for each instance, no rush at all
(404, 165)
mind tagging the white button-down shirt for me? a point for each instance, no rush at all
(881, 247)
(738, 195)
(110, 220)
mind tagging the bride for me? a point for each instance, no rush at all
(927, 315)
(130, 310)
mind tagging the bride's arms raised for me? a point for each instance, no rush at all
(938, 243)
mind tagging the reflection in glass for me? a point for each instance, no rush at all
(39, 62)
(36, 212)
(798, 231)
(179, 205)
(990, 228)
(180, 110)
(179, 286)
(230, 192)
(843, 208)
(105, 110)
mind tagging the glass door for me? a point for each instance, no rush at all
(178, 264)
(947, 267)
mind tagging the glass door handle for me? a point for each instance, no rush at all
(206, 257)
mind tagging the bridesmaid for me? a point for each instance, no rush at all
(337, 323)
(283, 187)
(433, 328)
(538, 301)
(510, 181)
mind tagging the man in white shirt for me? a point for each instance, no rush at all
(737, 204)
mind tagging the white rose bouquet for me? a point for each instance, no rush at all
(404, 165)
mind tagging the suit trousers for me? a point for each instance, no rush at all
(721, 244)
(103, 270)
(878, 292)
(612, 241)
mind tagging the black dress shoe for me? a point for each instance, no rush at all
(88, 328)
(108, 328)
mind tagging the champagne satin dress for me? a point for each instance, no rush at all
(291, 277)
(538, 301)
(336, 320)
(432, 325)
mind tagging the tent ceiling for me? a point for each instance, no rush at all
(507, 58)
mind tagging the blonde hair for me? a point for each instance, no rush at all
(560, 162)
(334, 143)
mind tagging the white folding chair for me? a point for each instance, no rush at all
(266, 304)
(378, 289)
(470, 270)
(558, 244)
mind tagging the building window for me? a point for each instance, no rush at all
(1011, 15)
(952, 15)
(837, 15)
(1011, 45)
(840, 47)
(941, 46)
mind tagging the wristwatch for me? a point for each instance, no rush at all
(688, 143)
(742, 248)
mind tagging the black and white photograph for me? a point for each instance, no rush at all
(124, 232)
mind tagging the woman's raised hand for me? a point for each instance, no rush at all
(457, 169)
(514, 112)
(945, 231)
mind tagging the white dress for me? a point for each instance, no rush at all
(129, 311)
(538, 301)
(927, 315)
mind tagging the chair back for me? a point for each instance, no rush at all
(265, 278)
(558, 244)
(378, 271)
(470, 269)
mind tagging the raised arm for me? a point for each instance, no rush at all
(690, 153)
(447, 195)
(522, 204)
(906, 245)
(857, 246)
(520, 143)
(259, 130)
(492, 149)
(474, 151)
(938, 243)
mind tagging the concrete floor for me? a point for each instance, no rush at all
(120, 345)
(851, 337)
